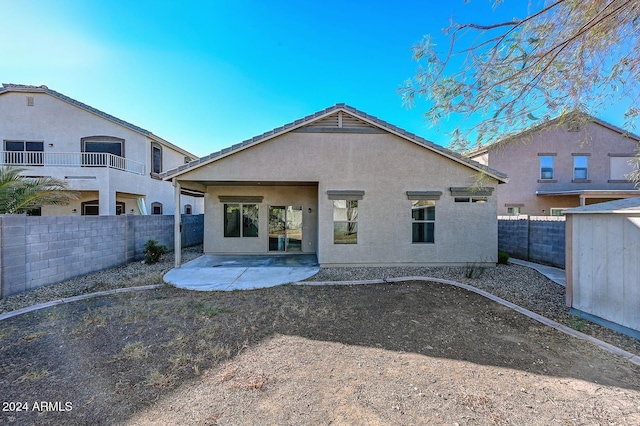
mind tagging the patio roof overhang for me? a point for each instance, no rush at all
(584, 194)
(200, 186)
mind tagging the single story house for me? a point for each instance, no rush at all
(350, 188)
(603, 263)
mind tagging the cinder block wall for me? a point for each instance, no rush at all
(37, 251)
(539, 239)
(513, 236)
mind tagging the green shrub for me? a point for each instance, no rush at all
(503, 258)
(474, 271)
(154, 251)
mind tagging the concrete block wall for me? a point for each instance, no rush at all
(37, 251)
(547, 241)
(192, 230)
(539, 239)
(513, 236)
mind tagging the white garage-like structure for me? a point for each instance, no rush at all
(603, 263)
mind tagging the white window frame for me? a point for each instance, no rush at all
(542, 157)
(351, 222)
(243, 219)
(424, 205)
(515, 211)
(586, 167)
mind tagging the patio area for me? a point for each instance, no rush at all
(217, 272)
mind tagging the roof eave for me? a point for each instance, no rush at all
(374, 121)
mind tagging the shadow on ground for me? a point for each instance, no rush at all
(113, 356)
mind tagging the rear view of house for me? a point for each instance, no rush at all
(114, 165)
(350, 188)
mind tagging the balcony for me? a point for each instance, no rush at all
(70, 159)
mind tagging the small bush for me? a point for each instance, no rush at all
(503, 258)
(474, 271)
(154, 251)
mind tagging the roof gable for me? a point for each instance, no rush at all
(557, 121)
(9, 88)
(339, 118)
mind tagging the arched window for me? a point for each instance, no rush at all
(156, 158)
(92, 208)
(156, 208)
(107, 144)
(94, 146)
(187, 209)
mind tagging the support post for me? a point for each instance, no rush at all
(177, 224)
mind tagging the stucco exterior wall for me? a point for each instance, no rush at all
(61, 126)
(605, 266)
(385, 167)
(305, 196)
(520, 160)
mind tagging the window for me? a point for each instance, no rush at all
(345, 221)
(187, 209)
(156, 158)
(557, 211)
(156, 208)
(546, 167)
(620, 166)
(92, 208)
(470, 199)
(241, 220)
(28, 153)
(580, 163)
(513, 211)
(423, 218)
(95, 146)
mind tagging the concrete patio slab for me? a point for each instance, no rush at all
(242, 272)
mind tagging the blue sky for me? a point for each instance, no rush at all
(207, 74)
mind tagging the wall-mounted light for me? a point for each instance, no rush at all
(131, 211)
(309, 210)
(50, 145)
(74, 211)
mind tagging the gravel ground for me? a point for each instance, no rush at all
(518, 284)
(133, 274)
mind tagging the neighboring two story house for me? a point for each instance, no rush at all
(560, 164)
(114, 165)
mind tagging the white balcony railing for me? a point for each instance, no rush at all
(70, 159)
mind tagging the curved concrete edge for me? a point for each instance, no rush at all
(544, 320)
(37, 307)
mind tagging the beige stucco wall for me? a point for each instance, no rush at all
(384, 166)
(305, 196)
(61, 126)
(520, 161)
(605, 266)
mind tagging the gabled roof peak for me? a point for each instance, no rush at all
(11, 87)
(372, 120)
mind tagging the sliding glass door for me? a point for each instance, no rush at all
(285, 228)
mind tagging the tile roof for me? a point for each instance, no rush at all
(8, 87)
(540, 126)
(351, 110)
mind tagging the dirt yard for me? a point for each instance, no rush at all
(409, 353)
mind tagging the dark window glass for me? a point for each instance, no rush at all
(114, 148)
(35, 146)
(423, 232)
(232, 220)
(14, 146)
(157, 159)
